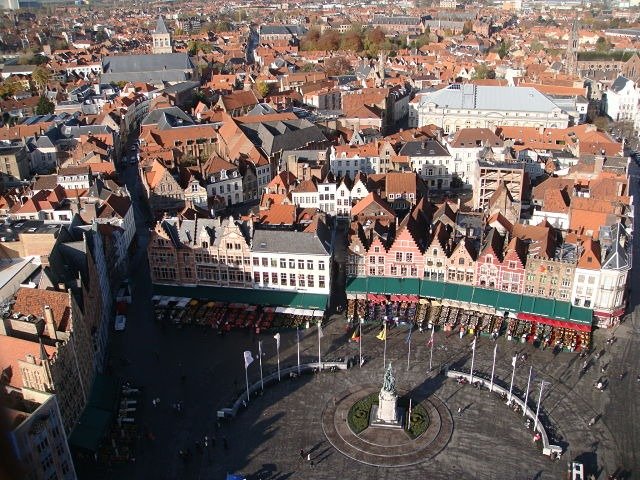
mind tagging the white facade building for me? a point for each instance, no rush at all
(478, 106)
(349, 161)
(621, 100)
(296, 261)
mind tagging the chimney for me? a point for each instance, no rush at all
(50, 323)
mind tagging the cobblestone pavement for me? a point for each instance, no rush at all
(488, 441)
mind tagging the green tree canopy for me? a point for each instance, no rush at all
(44, 106)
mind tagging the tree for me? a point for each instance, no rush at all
(310, 40)
(194, 46)
(536, 46)
(336, 66)
(503, 49)
(263, 88)
(482, 72)
(10, 87)
(44, 106)
(602, 123)
(41, 77)
(329, 40)
(352, 41)
(602, 45)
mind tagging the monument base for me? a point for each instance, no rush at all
(374, 422)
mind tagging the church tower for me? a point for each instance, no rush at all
(572, 49)
(161, 38)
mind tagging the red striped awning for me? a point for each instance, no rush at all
(553, 322)
(615, 313)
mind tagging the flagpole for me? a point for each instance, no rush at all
(526, 395)
(409, 352)
(278, 353)
(384, 354)
(298, 343)
(319, 357)
(535, 425)
(246, 378)
(260, 355)
(513, 374)
(360, 322)
(433, 331)
(473, 358)
(493, 367)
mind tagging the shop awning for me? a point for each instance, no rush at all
(482, 296)
(554, 323)
(97, 415)
(509, 301)
(526, 304)
(543, 306)
(581, 315)
(401, 286)
(615, 313)
(376, 284)
(450, 291)
(562, 310)
(431, 289)
(465, 293)
(357, 285)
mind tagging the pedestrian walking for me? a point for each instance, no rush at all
(308, 457)
(461, 333)
(302, 454)
(459, 411)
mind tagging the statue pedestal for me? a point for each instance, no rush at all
(386, 413)
(387, 402)
(376, 422)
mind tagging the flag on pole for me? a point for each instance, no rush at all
(408, 339)
(277, 337)
(320, 333)
(356, 336)
(430, 342)
(514, 360)
(248, 359)
(383, 333)
(473, 345)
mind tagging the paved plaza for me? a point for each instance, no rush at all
(488, 440)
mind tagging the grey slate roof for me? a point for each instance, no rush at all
(297, 30)
(194, 232)
(161, 27)
(146, 63)
(277, 241)
(428, 148)
(619, 83)
(481, 97)
(167, 118)
(181, 87)
(278, 136)
(617, 255)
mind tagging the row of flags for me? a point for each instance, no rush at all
(248, 356)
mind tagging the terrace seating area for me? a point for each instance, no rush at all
(225, 317)
(427, 314)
